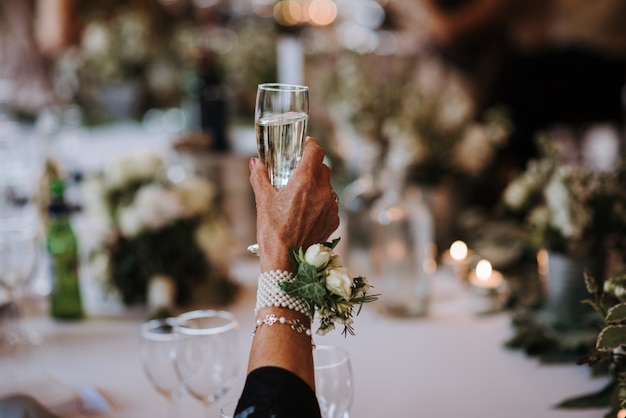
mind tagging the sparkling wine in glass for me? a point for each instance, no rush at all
(206, 353)
(333, 381)
(158, 352)
(281, 117)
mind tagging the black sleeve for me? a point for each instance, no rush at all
(277, 393)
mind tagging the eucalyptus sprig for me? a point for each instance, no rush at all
(321, 280)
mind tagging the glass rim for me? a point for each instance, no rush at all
(344, 357)
(148, 329)
(230, 325)
(283, 87)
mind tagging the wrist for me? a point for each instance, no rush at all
(270, 294)
(275, 257)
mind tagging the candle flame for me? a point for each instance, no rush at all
(483, 269)
(458, 250)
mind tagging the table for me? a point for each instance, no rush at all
(450, 363)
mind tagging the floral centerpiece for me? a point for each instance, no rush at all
(155, 224)
(569, 209)
(418, 104)
(440, 129)
(127, 61)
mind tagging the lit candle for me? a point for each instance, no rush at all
(485, 276)
(458, 251)
(489, 288)
(458, 257)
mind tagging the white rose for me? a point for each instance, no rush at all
(129, 168)
(196, 195)
(318, 255)
(338, 281)
(145, 165)
(96, 39)
(157, 206)
(129, 222)
(215, 239)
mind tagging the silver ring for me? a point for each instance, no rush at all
(336, 197)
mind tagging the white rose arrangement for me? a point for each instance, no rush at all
(327, 286)
(153, 225)
(571, 209)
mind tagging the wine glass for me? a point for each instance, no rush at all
(206, 353)
(20, 248)
(281, 117)
(158, 351)
(333, 381)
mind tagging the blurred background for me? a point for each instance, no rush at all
(459, 132)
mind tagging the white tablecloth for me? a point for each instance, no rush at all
(450, 363)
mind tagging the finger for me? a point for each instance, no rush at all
(313, 154)
(259, 177)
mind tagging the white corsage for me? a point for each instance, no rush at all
(321, 280)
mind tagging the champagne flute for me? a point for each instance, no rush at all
(281, 117)
(206, 353)
(158, 351)
(333, 381)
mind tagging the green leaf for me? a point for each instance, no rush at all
(332, 244)
(312, 291)
(599, 399)
(307, 271)
(616, 313)
(293, 256)
(611, 337)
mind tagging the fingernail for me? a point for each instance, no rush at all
(252, 163)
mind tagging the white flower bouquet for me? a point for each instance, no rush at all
(571, 209)
(156, 225)
(321, 279)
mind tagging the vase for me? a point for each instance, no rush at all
(565, 288)
(445, 202)
(401, 249)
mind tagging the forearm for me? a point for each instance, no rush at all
(281, 346)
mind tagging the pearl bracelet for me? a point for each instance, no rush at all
(270, 294)
(295, 324)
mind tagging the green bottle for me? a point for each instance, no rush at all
(65, 300)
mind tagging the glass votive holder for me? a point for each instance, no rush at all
(489, 289)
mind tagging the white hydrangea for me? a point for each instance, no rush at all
(154, 207)
(141, 166)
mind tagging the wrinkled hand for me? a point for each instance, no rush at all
(300, 214)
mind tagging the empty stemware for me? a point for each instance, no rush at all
(333, 381)
(206, 353)
(158, 351)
